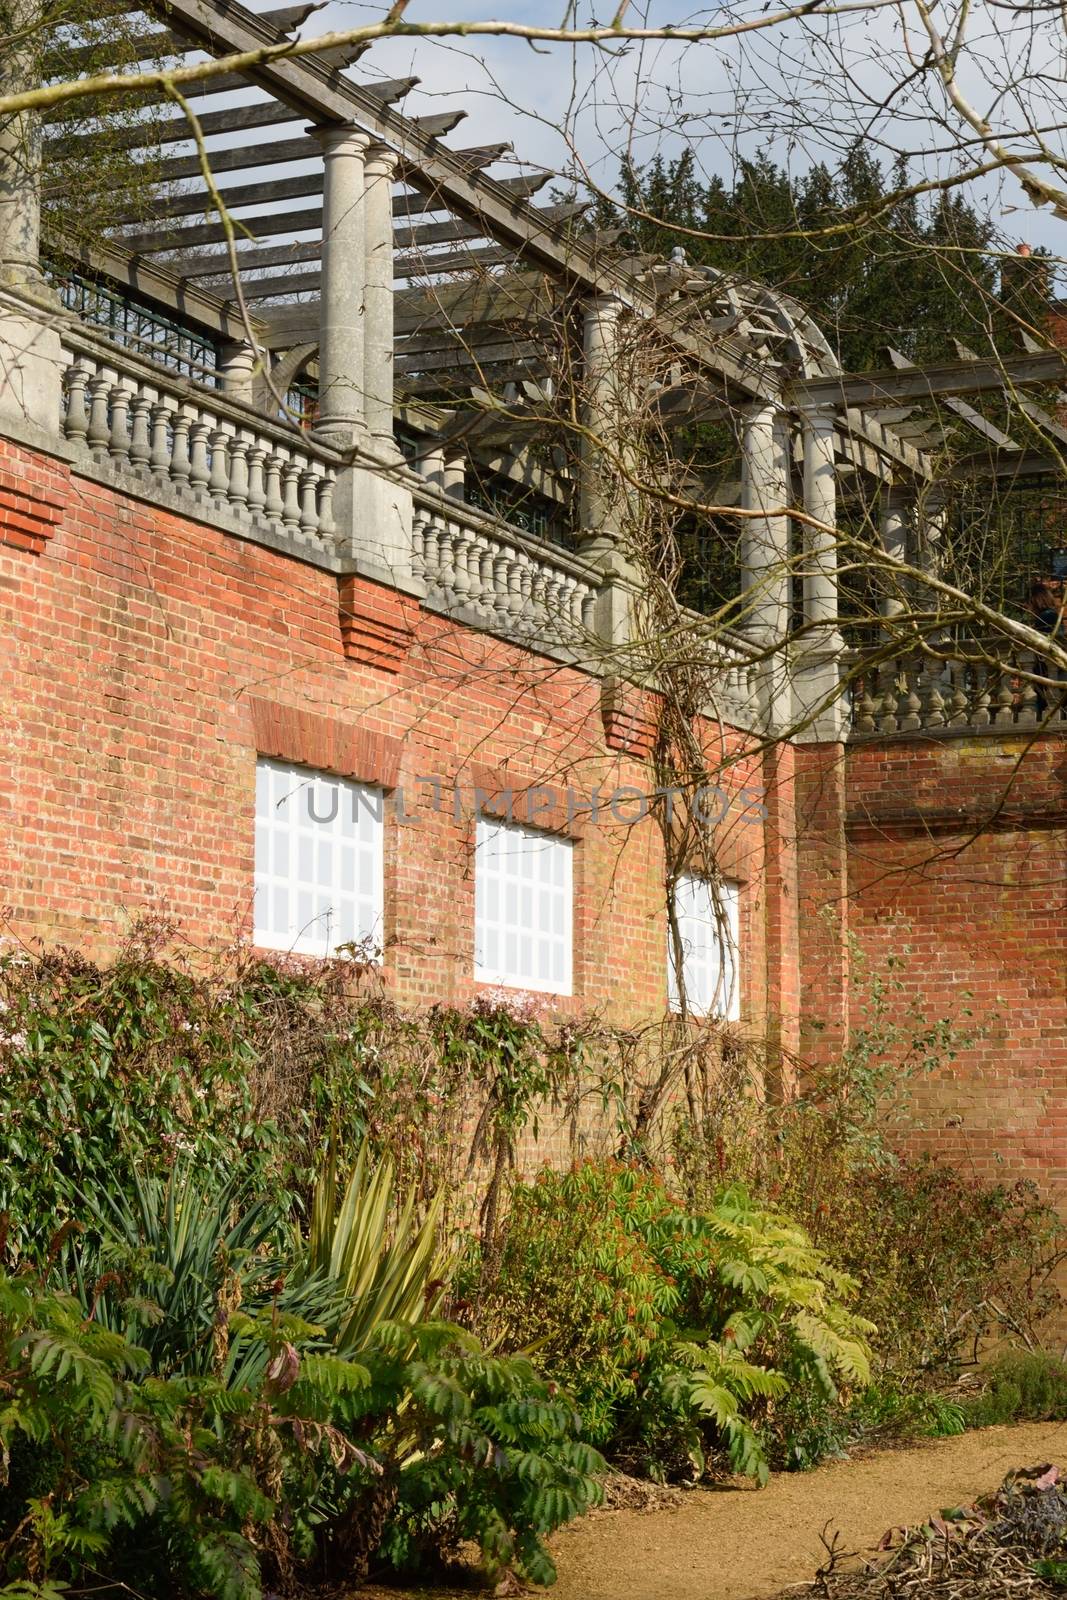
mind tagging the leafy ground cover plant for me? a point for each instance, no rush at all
(202, 1412)
(673, 1329)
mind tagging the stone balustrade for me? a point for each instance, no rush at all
(980, 687)
(124, 416)
(489, 574)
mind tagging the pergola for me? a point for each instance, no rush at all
(400, 267)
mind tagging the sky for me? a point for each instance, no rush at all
(801, 93)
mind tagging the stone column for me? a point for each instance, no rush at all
(379, 169)
(20, 157)
(454, 475)
(765, 539)
(894, 532)
(602, 415)
(818, 703)
(237, 366)
(820, 502)
(602, 494)
(342, 383)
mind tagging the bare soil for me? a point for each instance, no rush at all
(743, 1544)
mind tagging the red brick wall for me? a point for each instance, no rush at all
(147, 658)
(957, 861)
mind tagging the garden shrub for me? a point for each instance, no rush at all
(944, 1260)
(1021, 1386)
(672, 1329)
(193, 1413)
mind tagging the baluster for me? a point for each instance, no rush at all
(526, 582)
(483, 561)
(273, 505)
(515, 585)
(1003, 716)
(291, 495)
(418, 546)
(439, 558)
(501, 598)
(199, 468)
(181, 461)
(979, 715)
(887, 677)
(219, 479)
(257, 494)
(309, 501)
(98, 434)
(461, 547)
(239, 471)
(161, 452)
(1028, 717)
(933, 707)
(909, 707)
(865, 707)
(76, 421)
(140, 440)
(119, 442)
(589, 612)
(327, 528)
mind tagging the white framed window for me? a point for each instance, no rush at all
(708, 925)
(319, 860)
(523, 908)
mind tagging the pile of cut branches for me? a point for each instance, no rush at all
(1011, 1545)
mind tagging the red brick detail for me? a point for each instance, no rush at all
(377, 624)
(629, 716)
(555, 807)
(292, 733)
(28, 515)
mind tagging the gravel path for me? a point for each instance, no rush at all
(744, 1544)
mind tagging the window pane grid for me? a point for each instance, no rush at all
(319, 861)
(523, 924)
(709, 948)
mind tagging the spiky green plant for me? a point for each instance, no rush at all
(367, 1240)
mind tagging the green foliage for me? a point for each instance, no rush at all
(384, 1261)
(208, 1410)
(1021, 1386)
(872, 269)
(673, 1329)
(943, 1260)
(487, 1451)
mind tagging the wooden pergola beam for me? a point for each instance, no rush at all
(283, 151)
(406, 204)
(891, 386)
(236, 119)
(159, 44)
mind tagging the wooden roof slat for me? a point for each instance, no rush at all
(226, 83)
(314, 93)
(159, 42)
(268, 224)
(960, 408)
(216, 264)
(282, 151)
(235, 119)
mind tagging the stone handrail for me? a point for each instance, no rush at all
(973, 686)
(489, 573)
(124, 412)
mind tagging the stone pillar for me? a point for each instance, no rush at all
(600, 491)
(237, 367)
(820, 502)
(20, 157)
(894, 532)
(765, 539)
(454, 475)
(818, 701)
(342, 383)
(379, 169)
